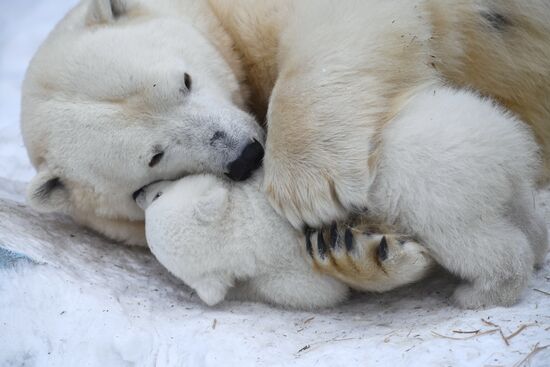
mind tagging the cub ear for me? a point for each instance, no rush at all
(211, 207)
(105, 11)
(211, 290)
(46, 192)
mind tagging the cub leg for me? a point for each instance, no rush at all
(496, 261)
(451, 170)
(524, 213)
(299, 288)
(365, 259)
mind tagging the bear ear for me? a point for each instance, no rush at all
(105, 11)
(46, 192)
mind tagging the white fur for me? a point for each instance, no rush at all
(345, 63)
(104, 94)
(219, 237)
(100, 99)
(375, 129)
(223, 237)
(459, 173)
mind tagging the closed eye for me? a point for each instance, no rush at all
(188, 84)
(156, 159)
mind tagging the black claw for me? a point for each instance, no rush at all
(321, 245)
(333, 235)
(383, 249)
(348, 239)
(360, 210)
(309, 247)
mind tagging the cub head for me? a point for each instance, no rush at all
(128, 92)
(185, 233)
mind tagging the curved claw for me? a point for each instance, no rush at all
(333, 235)
(309, 247)
(365, 260)
(383, 249)
(321, 245)
(348, 240)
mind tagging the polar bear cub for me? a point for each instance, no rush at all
(224, 239)
(458, 172)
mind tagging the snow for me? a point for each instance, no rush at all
(72, 298)
(86, 301)
(24, 24)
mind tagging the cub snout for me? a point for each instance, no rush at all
(250, 160)
(140, 197)
(147, 194)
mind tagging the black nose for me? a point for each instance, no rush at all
(249, 161)
(136, 194)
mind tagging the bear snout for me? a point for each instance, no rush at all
(249, 160)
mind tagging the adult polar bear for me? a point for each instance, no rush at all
(124, 93)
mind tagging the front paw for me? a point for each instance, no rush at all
(365, 260)
(312, 195)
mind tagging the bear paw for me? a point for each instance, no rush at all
(313, 197)
(367, 261)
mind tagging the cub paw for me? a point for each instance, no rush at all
(365, 260)
(478, 294)
(211, 290)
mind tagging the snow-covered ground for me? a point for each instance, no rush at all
(70, 298)
(23, 26)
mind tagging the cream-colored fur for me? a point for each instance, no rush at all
(105, 94)
(223, 238)
(339, 92)
(459, 174)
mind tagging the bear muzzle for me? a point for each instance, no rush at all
(249, 160)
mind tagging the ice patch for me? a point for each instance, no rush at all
(9, 259)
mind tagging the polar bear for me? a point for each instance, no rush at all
(128, 92)
(214, 235)
(102, 115)
(448, 166)
(224, 238)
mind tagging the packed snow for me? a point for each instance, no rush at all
(69, 297)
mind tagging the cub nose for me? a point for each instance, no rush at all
(249, 161)
(137, 193)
